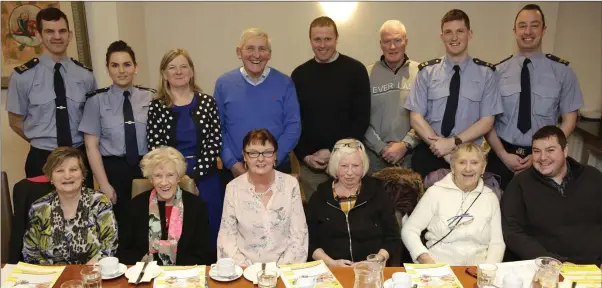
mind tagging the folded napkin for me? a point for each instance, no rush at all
(148, 274)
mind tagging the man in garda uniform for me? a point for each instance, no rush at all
(454, 99)
(535, 89)
(389, 138)
(46, 95)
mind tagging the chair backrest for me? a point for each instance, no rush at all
(7, 218)
(404, 187)
(142, 185)
(490, 180)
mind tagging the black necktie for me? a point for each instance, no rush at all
(63, 129)
(449, 117)
(524, 106)
(131, 144)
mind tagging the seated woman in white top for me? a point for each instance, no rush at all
(460, 214)
(263, 219)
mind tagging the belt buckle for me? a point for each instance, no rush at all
(520, 151)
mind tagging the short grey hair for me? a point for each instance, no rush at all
(250, 33)
(393, 24)
(340, 150)
(160, 156)
(469, 147)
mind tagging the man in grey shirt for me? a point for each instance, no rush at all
(389, 139)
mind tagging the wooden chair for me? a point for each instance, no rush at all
(142, 185)
(7, 218)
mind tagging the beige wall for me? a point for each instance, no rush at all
(210, 31)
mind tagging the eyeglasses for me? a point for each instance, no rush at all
(459, 220)
(355, 144)
(255, 154)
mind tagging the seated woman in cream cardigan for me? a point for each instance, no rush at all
(460, 214)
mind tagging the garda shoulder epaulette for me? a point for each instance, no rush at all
(146, 88)
(94, 92)
(429, 63)
(81, 65)
(28, 65)
(483, 63)
(557, 59)
(507, 58)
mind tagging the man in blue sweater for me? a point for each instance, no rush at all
(256, 96)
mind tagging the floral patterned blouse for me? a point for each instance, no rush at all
(52, 239)
(251, 232)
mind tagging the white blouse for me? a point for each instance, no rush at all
(251, 232)
(472, 242)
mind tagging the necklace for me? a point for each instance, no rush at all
(262, 193)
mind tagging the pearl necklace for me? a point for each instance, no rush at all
(262, 193)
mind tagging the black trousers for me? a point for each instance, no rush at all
(120, 175)
(425, 162)
(36, 158)
(226, 174)
(496, 165)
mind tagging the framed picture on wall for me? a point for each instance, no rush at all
(19, 43)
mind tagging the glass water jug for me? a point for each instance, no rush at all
(367, 275)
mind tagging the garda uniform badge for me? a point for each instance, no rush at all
(483, 63)
(429, 63)
(557, 59)
(28, 65)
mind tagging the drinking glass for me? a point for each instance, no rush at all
(486, 274)
(267, 279)
(382, 262)
(73, 284)
(91, 276)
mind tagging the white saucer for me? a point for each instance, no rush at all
(388, 283)
(121, 271)
(251, 271)
(237, 273)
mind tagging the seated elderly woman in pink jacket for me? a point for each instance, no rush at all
(263, 219)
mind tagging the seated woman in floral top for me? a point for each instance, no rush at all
(263, 219)
(73, 224)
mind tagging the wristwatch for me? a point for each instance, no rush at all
(408, 146)
(457, 140)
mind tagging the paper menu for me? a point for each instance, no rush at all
(523, 269)
(316, 269)
(432, 275)
(183, 276)
(584, 275)
(24, 273)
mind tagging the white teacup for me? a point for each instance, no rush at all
(401, 280)
(109, 266)
(224, 267)
(306, 282)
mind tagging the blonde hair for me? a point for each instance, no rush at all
(251, 33)
(340, 150)
(163, 89)
(160, 156)
(59, 155)
(469, 147)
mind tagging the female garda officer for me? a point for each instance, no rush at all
(114, 124)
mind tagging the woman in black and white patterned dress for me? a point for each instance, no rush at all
(183, 117)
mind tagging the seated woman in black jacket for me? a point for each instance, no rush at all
(350, 217)
(156, 218)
